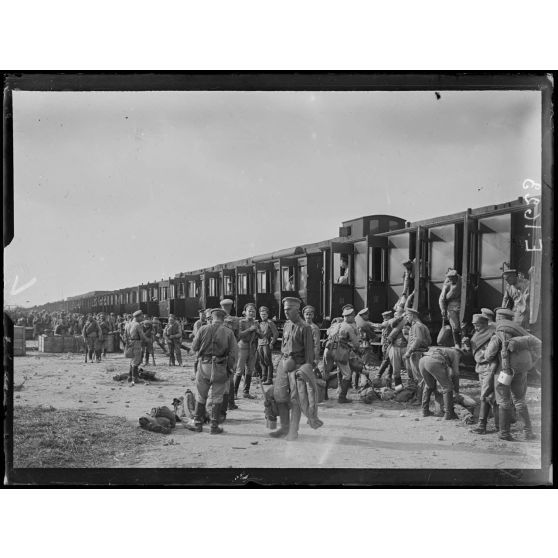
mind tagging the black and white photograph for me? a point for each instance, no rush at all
(278, 278)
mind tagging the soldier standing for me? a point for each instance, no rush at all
(216, 346)
(450, 304)
(266, 341)
(147, 346)
(135, 336)
(387, 316)
(485, 370)
(105, 330)
(397, 345)
(249, 333)
(201, 321)
(297, 351)
(348, 341)
(417, 344)
(516, 297)
(232, 323)
(91, 333)
(173, 335)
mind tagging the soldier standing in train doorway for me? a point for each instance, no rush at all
(450, 304)
(516, 297)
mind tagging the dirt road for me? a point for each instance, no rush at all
(381, 435)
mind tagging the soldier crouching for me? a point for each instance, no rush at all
(216, 347)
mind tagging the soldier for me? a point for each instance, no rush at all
(249, 333)
(489, 316)
(105, 329)
(91, 333)
(297, 351)
(329, 351)
(61, 328)
(485, 370)
(397, 344)
(158, 334)
(232, 323)
(135, 336)
(266, 341)
(386, 327)
(216, 346)
(440, 364)
(516, 297)
(348, 341)
(173, 336)
(201, 321)
(418, 343)
(114, 330)
(147, 346)
(450, 304)
(512, 364)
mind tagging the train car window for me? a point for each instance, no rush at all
(228, 285)
(192, 289)
(302, 278)
(442, 251)
(342, 269)
(288, 273)
(134, 297)
(172, 291)
(242, 283)
(373, 226)
(494, 244)
(181, 293)
(212, 287)
(376, 263)
(261, 278)
(394, 225)
(398, 253)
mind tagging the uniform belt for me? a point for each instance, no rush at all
(215, 359)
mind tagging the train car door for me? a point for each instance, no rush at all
(361, 274)
(178, 306)
(244, 287)
(192, 302)
(210, 289)
(341, 280)
(314, 283)
(401, 247)
(377, 296)
(164, 306)
(264, 288)
(288, 280)
(494, 244)
(228, 289)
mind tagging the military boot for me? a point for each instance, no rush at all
(285, 421)
(345, 384)
(505, 425)
(383, 367)
(527, 426)
(247, 381)
(135, 374)
(199, 417)
(237, 379)
(496, 415)
(426, 402)
(294, 423)
(130, 374)
(483, 417)
(223, 409)
(215, 414)
(448, 404)
(438, 404)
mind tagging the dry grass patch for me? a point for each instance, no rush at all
(48, 437)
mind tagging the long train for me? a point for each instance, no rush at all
(361, 266)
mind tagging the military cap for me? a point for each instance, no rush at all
(226, 301)
(509, 272)
(407, 262)
(504, 313)
(488, 313)
(248, 304)
(412, 311)
(348, 306)
(348, 310)
(264, 309)
(208, 312)
(290, 301)
(451, 273)
(363, 312)
(479, 318)
(137, 313)
(218, 312)
(309, 307)
(387, 314)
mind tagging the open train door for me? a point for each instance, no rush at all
(264, 287)
(494, 245)
(342, 280)
(314, 283)
(376, 277)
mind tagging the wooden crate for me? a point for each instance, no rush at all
(51, 344)
(19, 347)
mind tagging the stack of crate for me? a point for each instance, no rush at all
(19, 341)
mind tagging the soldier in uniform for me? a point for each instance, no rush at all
(516, 297)
(450, 304)
(105, 329)
(147, 346)
(397, 344)
(216, 346)
(249, 333)
(297, 351)
(135, 336)
(479, 343)
(158, 334)
(61, 328)
(513, 361)
(91, 333)
(173, 336)
(489, 316)
(348, 341)
(386, 328)
(417, 344)
(201, 321)
(232, 323)
(266, 341)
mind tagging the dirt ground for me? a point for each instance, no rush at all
(381, 435)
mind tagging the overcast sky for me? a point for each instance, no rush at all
(117, 188)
